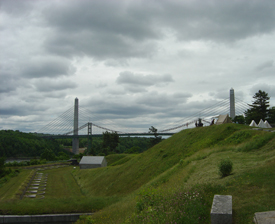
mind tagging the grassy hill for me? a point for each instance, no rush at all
(173, 182)
(187, 162)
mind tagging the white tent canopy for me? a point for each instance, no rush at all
(261, 124)
(267, 124)
(253, 124)
(223, 119)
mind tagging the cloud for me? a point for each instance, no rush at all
(129, 78)
(21, 109)
(47, 67)
(98, 45)
(265, 65)
(221, 21)
(107, 30)
(270, 89)
(102, 16)
(44, 85)
(154, 99)
(16, 8)
(8, 83)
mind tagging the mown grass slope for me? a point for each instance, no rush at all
(140, 169)
(188, 161)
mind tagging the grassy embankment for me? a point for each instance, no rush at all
(178, 175)
(187, 162)
(63, 195)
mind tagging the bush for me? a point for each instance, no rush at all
(225, 167)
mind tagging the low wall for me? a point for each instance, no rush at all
(49, 218)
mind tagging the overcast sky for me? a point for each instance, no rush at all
(135, 63)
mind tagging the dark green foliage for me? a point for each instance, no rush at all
(62, 156)
(133, 150)
(6, 173)
(239, 119)
(110, 142)
(2, 166)
(259, 108)
(157, 139)
(78, 156)
(271, 115)
(48, 155)
(25, 163)
(19, 144)
(225, 167)
(125, 145)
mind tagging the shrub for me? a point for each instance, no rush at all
(225, 167)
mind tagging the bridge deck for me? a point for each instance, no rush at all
(100, 135)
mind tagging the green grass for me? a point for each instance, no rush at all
(118, 159)
(55, 205)
(61, 183)
(9, 190)
(191, 159)
(143, 187)
(63, 195)
(114, 158)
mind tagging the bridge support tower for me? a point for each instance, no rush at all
(232, 103)
(76, 140)
(89, 140)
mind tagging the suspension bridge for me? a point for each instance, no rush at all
(76, 122)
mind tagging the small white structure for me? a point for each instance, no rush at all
(253, 124)
(90, 162)
(267, 124)
(261, 124)
(223, 119)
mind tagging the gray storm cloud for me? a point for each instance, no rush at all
(130, 78)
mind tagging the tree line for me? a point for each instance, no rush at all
(111, 143)
(20, 144)
(259, 109)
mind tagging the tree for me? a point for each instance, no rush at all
(48, 155)
(2, 166)
(239, 119)
(157, 139)
(259, 108)
(271, 115)
(133, 150)
(110, 142)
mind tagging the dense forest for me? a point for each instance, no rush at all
(19, 144)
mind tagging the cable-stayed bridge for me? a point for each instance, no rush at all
(78, 122)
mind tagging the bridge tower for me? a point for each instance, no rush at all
(232, 103)
(76, 140)
(89, 140)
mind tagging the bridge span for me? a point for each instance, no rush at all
(100, 135)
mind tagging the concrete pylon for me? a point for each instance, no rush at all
(75, 140)
(232, 103)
